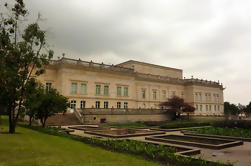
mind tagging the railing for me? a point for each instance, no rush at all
(92, 65)
(158, 77)
(78, 115)
(201, 81)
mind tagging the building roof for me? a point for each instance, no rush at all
(148, 64)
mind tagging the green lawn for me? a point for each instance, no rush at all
(32, 148)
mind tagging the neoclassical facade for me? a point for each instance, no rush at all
(131, 84)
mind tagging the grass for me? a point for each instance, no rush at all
(236, 132)
(32, 148)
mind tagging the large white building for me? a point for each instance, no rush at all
(131, 84)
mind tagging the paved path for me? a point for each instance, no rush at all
(238, 155)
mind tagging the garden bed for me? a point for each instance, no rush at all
(202, 142)
(232, 132)
(123, 132)
(185, 124)
(216, 136)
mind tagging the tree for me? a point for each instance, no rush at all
(22, 57)
(187, 108)
(248, 109)
(177, 106)
(33, 100)
(51, 102)
(230, 109)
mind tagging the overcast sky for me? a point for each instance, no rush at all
(208, 39)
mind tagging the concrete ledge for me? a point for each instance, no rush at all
(84, 128)
(229, 143)
(181, 150)
(98, 132)
(178, 129)
(217, 136)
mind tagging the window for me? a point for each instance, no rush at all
(206, 107)
(83, 89)
(97, 104)
(182, 94)
(118, 104)
(196, 96)
(201, 107)
(125, 105)
(98, 89)
(74, 86)
(209, 97)
(143, 93)
(173, 93)
(48, 86)
(197, 107)
(106, 104)
(164, 94)
(73, 104)
(118, 91)
(106, 90)
(154, 94)
(210, 107)
(218, 108)
(215, 107)
(125, 91)
(82, 104)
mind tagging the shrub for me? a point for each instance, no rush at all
(183, 124)
(243, 124)
(224, 131)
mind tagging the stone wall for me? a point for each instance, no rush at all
(96, 116)
(207, 117)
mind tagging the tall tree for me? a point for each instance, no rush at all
(21, 58)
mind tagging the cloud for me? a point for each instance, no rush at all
(207, 39)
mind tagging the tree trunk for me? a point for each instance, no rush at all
(12, 124)
(30, 120)
(43, 124)
(43, 121)
(12, 119)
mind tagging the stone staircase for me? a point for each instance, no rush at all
(63, 120)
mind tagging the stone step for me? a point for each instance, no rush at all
(63, 120)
